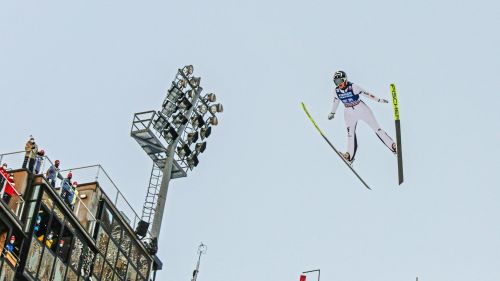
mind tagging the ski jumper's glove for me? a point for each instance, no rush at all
(331, 115)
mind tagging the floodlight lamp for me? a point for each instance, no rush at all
(188, 70)
(170, 134)
(214, 108)
(202, 109)
(205, 132)
(183, 150)
(179, 119)
(169, 109)
(210, 97)
(181, 84)
(174, 94)
(213, 121)
(192, 137)
(190, 94)
(194, 81)
(197, 121)
(192, 161)
(160, 122)
(201, 146)
(185, 104)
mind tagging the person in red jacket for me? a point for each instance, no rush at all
(9, 189)
(3, 174)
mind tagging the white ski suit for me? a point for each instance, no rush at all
(356, 109)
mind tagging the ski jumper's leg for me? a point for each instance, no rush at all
(351, 120)
(369, 118)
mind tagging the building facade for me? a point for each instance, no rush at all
(52, 232)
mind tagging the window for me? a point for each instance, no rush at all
(87, 258)
(98, 266)
(52, 238)
(106, 217)
(125, 243)
(7, 273)
(131, 274)
(71, 275)
(64, 245)
(46, 265)
(121, 265)
(107, 274)
(75, 255)
(31, 204)
(59, 270)
(116, 231)
(34, 257)
(41, 222)
(112, 252)
(143, 265)
(102, 240)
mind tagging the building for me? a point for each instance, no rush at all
(54, 233)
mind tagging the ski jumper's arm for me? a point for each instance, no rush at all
(336, 102)
(360, 91)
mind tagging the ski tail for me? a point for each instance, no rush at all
(398, 132)
(331, 145)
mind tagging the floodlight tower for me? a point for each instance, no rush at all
(170, 138)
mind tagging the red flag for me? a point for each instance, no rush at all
(302, 277)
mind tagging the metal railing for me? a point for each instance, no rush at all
(96, 173)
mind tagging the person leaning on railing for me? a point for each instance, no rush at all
(73, 195)
(3, 174)
(39, 160)
(53, 173)
(9, 189)
(66, 188)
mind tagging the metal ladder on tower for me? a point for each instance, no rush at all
(148, 210)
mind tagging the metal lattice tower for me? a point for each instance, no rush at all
(149, 206)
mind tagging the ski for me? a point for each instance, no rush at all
(333, 147)
(398, 132)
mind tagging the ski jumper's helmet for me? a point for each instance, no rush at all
(339, 77)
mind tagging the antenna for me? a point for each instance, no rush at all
(202, 249)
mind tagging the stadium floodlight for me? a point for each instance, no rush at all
(184, 104)
(183, 150)
(214, 108)
(210, 97)
(205, 132)
(179, 119)
(187, 70)
(200, 147)
(184, 121)
(192, 161)
(192, 137)
(197, 121)
(213, 120)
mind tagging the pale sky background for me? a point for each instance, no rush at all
(270, 198)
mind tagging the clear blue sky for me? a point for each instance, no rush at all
(269, 198)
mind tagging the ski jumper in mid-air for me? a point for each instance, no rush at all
(355, 109)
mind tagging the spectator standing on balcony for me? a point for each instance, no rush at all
(53, 173)
(3, 174)
(74, 195)
(39, 160)
(31, 150)
(66, 187)
(9, 189)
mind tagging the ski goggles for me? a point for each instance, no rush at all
(339, 81)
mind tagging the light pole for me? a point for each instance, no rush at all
(169, 137)
(305, 272)
(202, 249)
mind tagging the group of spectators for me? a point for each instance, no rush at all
(33, 161)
